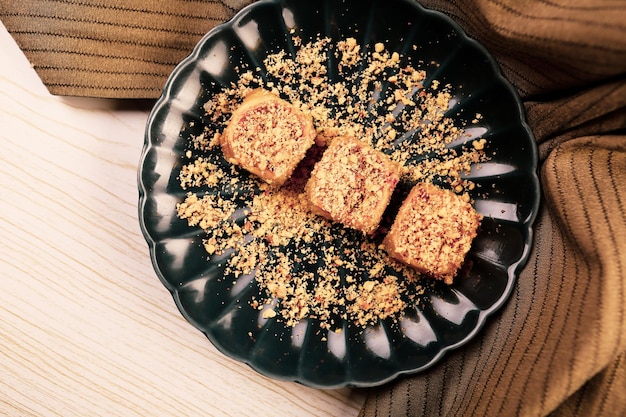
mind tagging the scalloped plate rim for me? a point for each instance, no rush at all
(169, 91)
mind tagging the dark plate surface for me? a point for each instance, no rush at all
(446, 316)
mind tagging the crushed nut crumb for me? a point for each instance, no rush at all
(305, 265)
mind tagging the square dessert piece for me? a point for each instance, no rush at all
(433, 231)
(352, 184)
(267, 136)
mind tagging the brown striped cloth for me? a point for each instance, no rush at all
(558, 347)
(110, 48)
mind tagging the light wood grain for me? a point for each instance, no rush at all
(86, 328)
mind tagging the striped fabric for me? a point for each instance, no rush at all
(110, 48)
(558, 347)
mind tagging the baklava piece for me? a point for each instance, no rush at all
(352, 184)
(433, 231)
(267, 136)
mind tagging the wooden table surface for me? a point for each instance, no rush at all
(86, 328)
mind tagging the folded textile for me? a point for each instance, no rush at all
(110, 48)
(558, 347)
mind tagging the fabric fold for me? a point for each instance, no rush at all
(557, 347)
(108, 48)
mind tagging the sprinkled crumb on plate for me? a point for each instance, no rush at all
(306, 265)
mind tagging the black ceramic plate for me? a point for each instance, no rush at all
(446, 317)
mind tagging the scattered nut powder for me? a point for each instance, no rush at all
(199, 173)
(206, 212)
(306, 266)
(380, 299)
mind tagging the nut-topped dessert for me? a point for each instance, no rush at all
(352, 184)
(433, 231)
(267, 136)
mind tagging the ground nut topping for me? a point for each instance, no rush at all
(305, 265)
